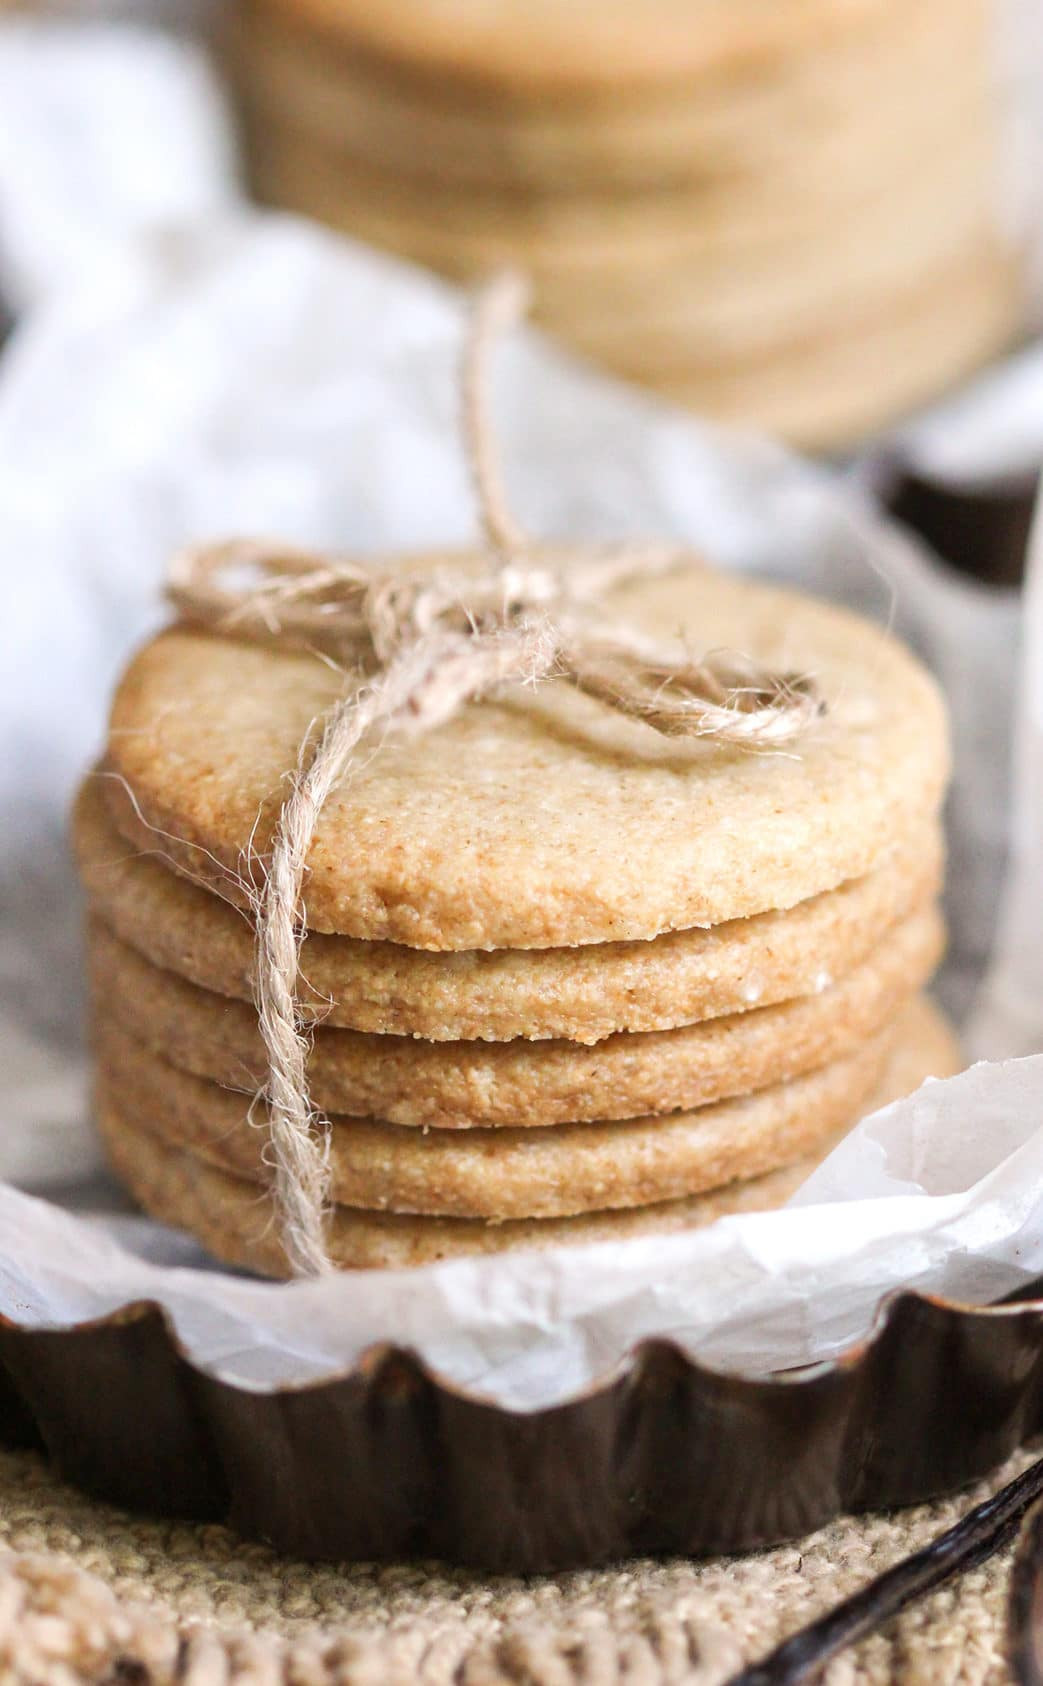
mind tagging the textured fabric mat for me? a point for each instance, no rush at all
(89, 1594)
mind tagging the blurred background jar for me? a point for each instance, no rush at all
(784, 213)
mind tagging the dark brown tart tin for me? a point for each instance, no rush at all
(979, 526)
(386, 1460)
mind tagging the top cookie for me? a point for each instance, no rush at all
(543, 48)
(541, 820)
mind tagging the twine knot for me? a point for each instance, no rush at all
(416, 642)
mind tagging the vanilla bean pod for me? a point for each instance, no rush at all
(1025, 1603)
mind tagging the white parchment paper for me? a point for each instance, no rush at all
(183, 368)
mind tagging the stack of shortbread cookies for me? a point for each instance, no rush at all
(783, 212)
(569, 979)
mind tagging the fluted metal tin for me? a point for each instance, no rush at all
(388, 1460)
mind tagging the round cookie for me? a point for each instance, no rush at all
(832, 387)
(819, 388)
(229, 1217)
(715, 322)
(503, 1173)
(583, 993)
(543, 820)
(548, 52)
(455, 1085)
(706, 239)
(874, 85)
(233, 1220)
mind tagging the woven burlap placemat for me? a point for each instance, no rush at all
(90, 1594)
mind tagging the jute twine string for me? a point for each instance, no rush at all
(416, 643)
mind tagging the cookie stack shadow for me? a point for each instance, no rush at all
(517, 1075)
(784, 215)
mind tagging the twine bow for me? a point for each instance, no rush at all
(416, 645)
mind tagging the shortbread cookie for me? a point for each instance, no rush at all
(547, 52)
(234, 1219)
(817, 297)
(503, 1173)
(825, 376)
(454, 1085)
(820, 386)
(883, 84)
(832, 387)
(583, 993)
(690, 235)
(543, 820)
